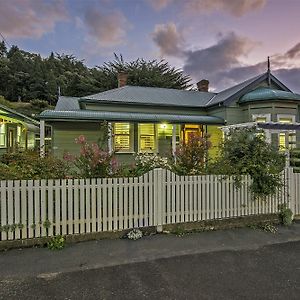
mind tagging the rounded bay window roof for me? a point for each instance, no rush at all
(262, 94)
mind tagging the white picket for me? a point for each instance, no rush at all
(49, 207)
(70, 191)
(156, 198)
(43, 207)
(17, 217)
(3, 210)
(57, 201)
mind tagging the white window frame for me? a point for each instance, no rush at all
(267, 116)
(155, 150)
(131, 138)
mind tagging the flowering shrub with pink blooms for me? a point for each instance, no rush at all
(92, 160)
(191, 155)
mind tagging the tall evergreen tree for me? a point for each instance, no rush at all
(27, 76)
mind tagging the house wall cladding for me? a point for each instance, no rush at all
(40, 208)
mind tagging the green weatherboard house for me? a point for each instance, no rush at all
(147, 119)
(17, 131)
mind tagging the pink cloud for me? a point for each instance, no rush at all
(30, 18)
(159, 4)
(236, 8)
(106, 29)
(168, 39)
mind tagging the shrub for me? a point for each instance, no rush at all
(144, 162)
(245, 152)
(285, 214)
(40, 104)
(93, 161)
(29, 165)
(191, 155)
(56, 243)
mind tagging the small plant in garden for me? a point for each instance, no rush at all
(269, 228)
(20, 225)
(6, 228)
(144, 162)
(191, 155)
(134, 234)
(13, 227)
(285, 214)
(56, 243)
(47, 224)
(179, 231)
(93, 161)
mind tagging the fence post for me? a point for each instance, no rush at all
(290, 182)
(158, 194)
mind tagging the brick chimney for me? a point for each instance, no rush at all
(122, 78)
(203, 85)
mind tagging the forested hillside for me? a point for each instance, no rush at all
(25, 76)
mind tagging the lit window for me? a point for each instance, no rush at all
(261, 120)
(2, 135)
(291, 142)
(147, 137)
(122, 137)
(19, 134)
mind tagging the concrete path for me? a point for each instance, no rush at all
(43, 263)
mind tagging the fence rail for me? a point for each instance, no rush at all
(38, 208)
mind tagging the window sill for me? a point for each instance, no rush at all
(123, 152)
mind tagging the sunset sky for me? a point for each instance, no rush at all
(224, 41)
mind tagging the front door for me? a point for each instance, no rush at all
(190, 130)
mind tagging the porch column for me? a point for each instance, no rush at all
(173, 139)
(42, 138)
(109, 142)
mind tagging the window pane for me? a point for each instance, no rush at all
(286, 120)
(122, 136)
(261, 119)
(147, 137)
(122, 128)
(2, 135)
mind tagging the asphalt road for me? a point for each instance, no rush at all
(270, 272)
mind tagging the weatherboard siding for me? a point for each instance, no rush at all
(65, 133)
(215, 137)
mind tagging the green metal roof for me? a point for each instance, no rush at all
(85, 115)
(262, 94)
(14, 114)
(151, 96)
(67, 103)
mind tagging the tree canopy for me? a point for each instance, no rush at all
(26, 76)
(245, 151)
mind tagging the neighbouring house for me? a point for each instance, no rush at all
(17, 131)
(149, 119)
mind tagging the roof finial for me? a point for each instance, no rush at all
(269, 72)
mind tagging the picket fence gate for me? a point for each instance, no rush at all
(39, 208)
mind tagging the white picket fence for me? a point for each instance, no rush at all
(38, 208)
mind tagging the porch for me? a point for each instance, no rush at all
(129, 133)
(15, 133)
